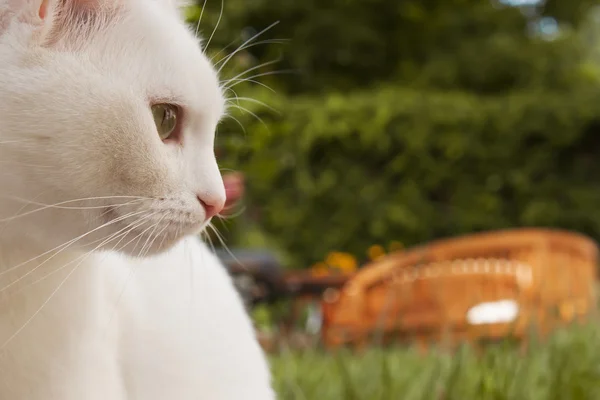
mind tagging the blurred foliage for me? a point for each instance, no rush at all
(408, 120)
(345, 171)
(350, 44)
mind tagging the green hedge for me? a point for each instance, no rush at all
(344, 45)
(345, 171)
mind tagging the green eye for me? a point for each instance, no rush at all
(165, 118)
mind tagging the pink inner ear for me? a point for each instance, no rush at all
(43, 11)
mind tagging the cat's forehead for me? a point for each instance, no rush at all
(159, 54)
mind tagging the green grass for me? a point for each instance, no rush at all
(564, 367)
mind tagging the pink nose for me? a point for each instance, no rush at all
(211, 206)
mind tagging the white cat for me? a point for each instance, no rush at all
(107, 116)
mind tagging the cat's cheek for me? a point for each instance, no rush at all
(132, 165)
(143, 179)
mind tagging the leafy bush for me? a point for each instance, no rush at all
(351, 44)
(409, 120)
(345, 171)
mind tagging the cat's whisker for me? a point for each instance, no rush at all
(131, 274)
(229, 103)
(116, 206)
(200, 18)
(224, 245)
(192, 280)
(163, 240)
(247, 79)
(61, 205)
(228, 115)
(23, 207)
(216, 26)
(139, 235)
(247, 71)
(251, 100)
(22, 164)
(231, 216)
(177, 231)
(250, 45)
(247, 44)
(150, 236)
(213, 228)
(224, 225)
(113, 236)
(33, 270)
(244, 46)
(266, 41)
(209, 241)
(15, 141)
(244, 109)
(63, 246)
(132, 227)
(238, 122)
(159, 234)
(16, 198)
(229, 99)
(222, 50)
(212, 245)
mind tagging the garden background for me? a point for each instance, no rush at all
(406, 121)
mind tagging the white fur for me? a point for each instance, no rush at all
(157, 318)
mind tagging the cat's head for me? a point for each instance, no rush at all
(108, 110)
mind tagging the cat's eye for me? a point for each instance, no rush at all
(166, 119)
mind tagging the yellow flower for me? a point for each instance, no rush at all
(344, 262)
(375, 252)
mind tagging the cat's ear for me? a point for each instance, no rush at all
(44, 16)
(29, 11)
(33, 12)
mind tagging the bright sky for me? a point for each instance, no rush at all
(521, 2)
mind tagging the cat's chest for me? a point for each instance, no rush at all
(171, 327)
(185, 333)
(191, 331)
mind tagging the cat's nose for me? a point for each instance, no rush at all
(212, 205)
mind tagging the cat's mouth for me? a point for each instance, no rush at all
(147, 230)
(113, 219)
